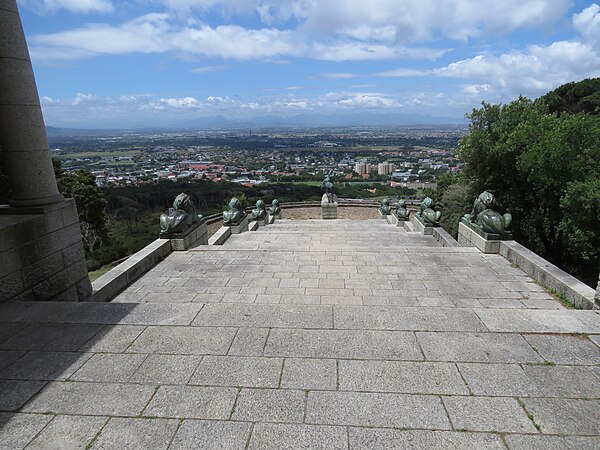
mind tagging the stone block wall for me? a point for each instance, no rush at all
(41, 255)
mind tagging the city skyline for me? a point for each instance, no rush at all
(142, 63)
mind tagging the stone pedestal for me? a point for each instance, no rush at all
(41, 254)
(239, 228)
(391, 219)
(420, 227)
(329, 207)
(262, 222)
(270, 219)
(193, 236)
(383, 216)
(470, 235)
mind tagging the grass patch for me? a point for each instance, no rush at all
(529, 415)
(95, 274)
(560, 297)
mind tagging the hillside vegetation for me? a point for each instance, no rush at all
(541, 159)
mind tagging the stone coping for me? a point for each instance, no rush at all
(120, 277)
(444, 238)
(548, 275)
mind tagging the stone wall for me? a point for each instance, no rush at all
(41, 255)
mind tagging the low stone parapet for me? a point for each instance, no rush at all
(253, 226)
(444, 238)
(220, 237)
(120, 277)
(548, 275)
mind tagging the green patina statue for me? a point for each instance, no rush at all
(489, 220)
(275, 209)
(385, 208)
(428, 215)
(328, 186)
(234, 213)
(180, 217)
(259, 212)
(401, 212)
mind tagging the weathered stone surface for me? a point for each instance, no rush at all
(93, 399)
(362, 438)
(269, 405)
(343, 344)
(68, 433)
(184, 340)
(211, 434)
(14, 394)
(45, 366)
(402, 377)
(51, 337)
(166, 369)
(488, 414)
(238, 371)
(376, 410)
(561, 349)
(565, 416)
(134, 434)
(306, 373)
(192, 402)
(539, 442)
(472, 347)
(540, 321)
(16, 430)
(278, 435)
(109, 368)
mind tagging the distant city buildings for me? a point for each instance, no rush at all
(385, 168)
(362, 168)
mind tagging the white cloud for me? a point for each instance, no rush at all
(587, 23)
(333, 30)
(83, 98)
(337, 76)
(75, 6)
(404, 73)
(208, 69)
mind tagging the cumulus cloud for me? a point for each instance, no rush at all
(208, 69)
(333, 30)
(75, 6)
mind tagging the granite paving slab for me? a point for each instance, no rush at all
(306, 334)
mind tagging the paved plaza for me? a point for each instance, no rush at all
(307, 334)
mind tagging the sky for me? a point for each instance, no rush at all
(149, 63)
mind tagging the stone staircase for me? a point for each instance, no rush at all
(308, 334)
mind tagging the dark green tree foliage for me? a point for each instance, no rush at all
(583, 96)
(542, 164)
(81, 186)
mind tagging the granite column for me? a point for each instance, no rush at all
(23, 139)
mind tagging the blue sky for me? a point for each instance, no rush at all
(135, 63)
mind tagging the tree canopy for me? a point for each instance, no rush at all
(541, 159)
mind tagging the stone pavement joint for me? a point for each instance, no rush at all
(331, 334)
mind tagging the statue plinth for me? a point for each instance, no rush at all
(329, 206)
(240, 227)
(422, 227)
(195, 235)
(470, 235)
(383, 216)
(262, 222)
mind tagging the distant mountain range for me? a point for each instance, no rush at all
(300, 120)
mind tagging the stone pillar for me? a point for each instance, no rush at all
(41, 251)
(23, 140)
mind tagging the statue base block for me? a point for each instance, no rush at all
(261, 222)
(383, 216)
(195, 235)
(240, 227)
(329, 208)
(470, 235)
(270, 219)
(391, 219)
(420, 226)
